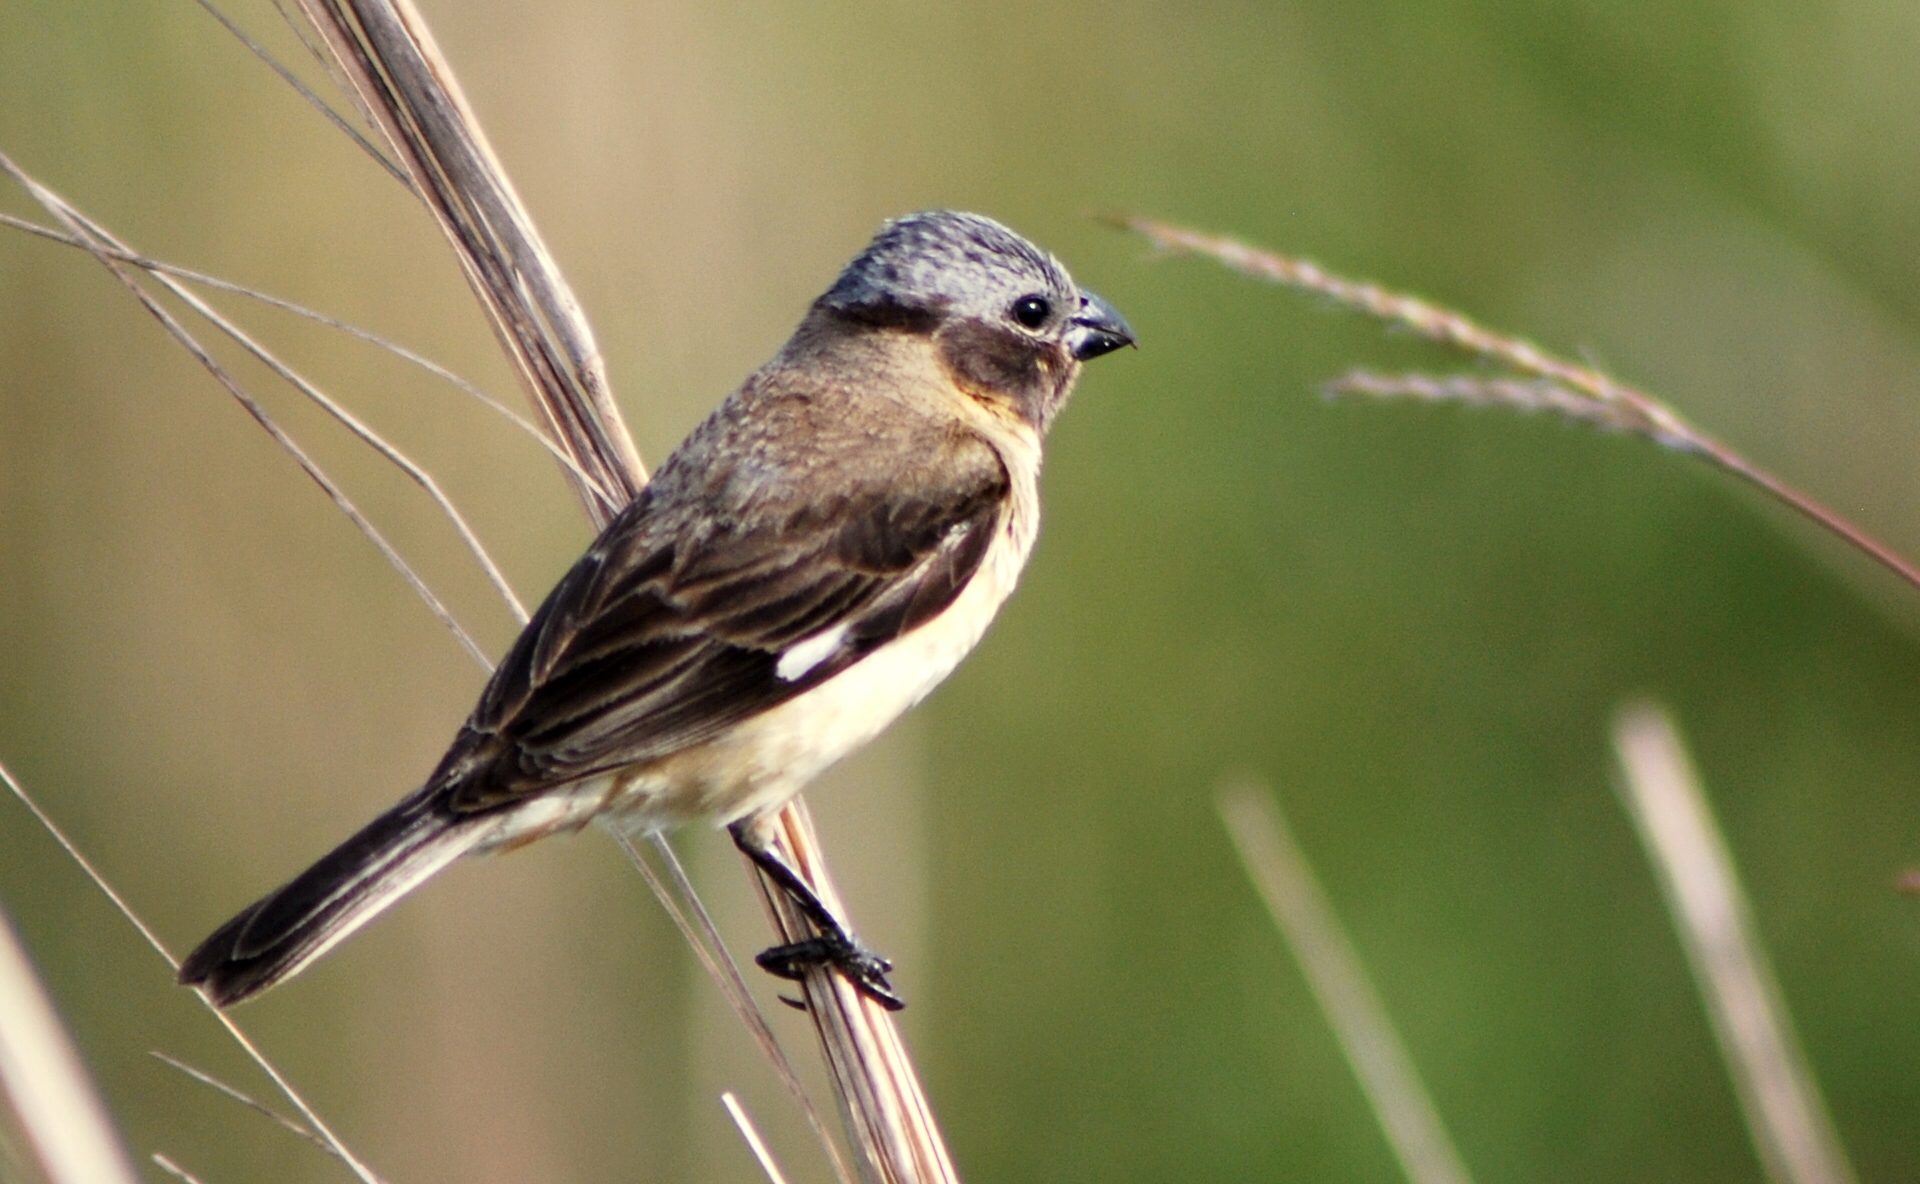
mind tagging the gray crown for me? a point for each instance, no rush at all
(945, 261)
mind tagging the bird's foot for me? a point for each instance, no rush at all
(834, 946)
(866, 970)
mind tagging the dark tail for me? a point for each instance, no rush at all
(279, 934)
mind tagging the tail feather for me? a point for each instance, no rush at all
(277, 935)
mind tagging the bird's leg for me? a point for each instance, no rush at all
(834, 946)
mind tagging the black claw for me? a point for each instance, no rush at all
(866, 970)
(834, 947)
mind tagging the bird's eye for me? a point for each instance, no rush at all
(1032, 311)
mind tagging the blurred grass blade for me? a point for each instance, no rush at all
(280, 1081)
(1582, 393)
(1279, 869)
(175, 1170)
(1784, 1112)
(754, 1143)
(46, 1085)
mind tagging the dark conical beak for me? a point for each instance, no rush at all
(1096, 329)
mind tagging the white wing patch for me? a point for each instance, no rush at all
(805, 655)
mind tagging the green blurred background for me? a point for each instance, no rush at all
(1415, 623)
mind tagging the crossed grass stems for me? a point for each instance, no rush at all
(1786, 1119)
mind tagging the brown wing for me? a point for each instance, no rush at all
(671, 627)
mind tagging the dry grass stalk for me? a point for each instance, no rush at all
(112, 248)
(703, 936)
(388, 345)
(406, 89)
(109, 251)
(873, 1076)
(384, 51)
(245, 1099)
(1305, 918)
(1515, 394)
(1582, 393)
(300, 88)
(44, 1082)
(1785, 1115)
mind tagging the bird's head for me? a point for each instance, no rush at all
(1006, 319)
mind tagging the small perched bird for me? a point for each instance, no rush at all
(810, 562)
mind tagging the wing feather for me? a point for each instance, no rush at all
(671, 628)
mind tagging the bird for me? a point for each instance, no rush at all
(818, 554)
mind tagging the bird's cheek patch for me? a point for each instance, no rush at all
(987, 360)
